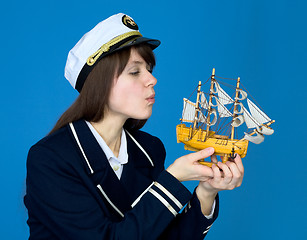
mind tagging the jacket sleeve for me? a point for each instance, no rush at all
(190, 223)
(61, 206)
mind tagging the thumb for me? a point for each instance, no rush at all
(207, 152)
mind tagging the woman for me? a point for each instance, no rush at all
(96, 175)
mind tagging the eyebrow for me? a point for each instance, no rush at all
(137, 62)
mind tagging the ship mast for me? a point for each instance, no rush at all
(210, 102)
(235, 107)
(197, 105)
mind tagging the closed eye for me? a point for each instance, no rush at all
(135, 73)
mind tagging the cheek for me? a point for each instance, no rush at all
(125, 94)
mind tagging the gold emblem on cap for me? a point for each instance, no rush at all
(106, 47)
(128, 20)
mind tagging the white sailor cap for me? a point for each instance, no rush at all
(114, 33)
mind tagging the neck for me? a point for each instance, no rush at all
(110, 129)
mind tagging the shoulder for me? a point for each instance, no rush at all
(53, 137)
(54, 149)
(152, 145)
(144, 136)
(147, 140)
(56, 141)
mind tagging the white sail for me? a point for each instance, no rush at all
(203, 101)
(214, 90)
(242, 95)
(249, 120)
(223, 96)
(237, 121)
(265, 130)
(260, 116)
(212, 104)
(202, 118)
(238, 110)
(213, 112)
(188, 113)
(222, 110)
(259, 138)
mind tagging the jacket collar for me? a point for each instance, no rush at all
(134, 179)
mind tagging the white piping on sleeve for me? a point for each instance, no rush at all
(162, 200)
(139, 197)
(167, 193)
(79, 144)
(206, 231)
(140, 147)
(108, 199)
(209, 226)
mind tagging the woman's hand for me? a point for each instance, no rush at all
(187, 168)
(226, 176)
(222, 176)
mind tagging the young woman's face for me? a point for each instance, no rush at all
(133, 95)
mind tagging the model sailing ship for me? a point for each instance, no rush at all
(213, 121)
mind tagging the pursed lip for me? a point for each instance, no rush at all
(151, 98)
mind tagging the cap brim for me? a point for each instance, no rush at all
(153, 43)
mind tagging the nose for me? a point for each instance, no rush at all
(151, 80)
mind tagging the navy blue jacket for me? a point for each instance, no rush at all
(73, 193)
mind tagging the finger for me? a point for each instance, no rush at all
(227, 173)
(213, 158)
(204, 172)
(217, 175)
(237, 176)
(234, 169)
(207, 152)
(239, 163)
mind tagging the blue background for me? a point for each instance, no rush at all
(263, 42)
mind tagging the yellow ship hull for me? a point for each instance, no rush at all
(197, 139)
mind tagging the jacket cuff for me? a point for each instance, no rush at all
(193, 208)
(172, 193)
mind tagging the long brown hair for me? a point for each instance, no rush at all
(94, 96)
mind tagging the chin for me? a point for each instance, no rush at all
(143, 116)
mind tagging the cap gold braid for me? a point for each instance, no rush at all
(106, 47)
